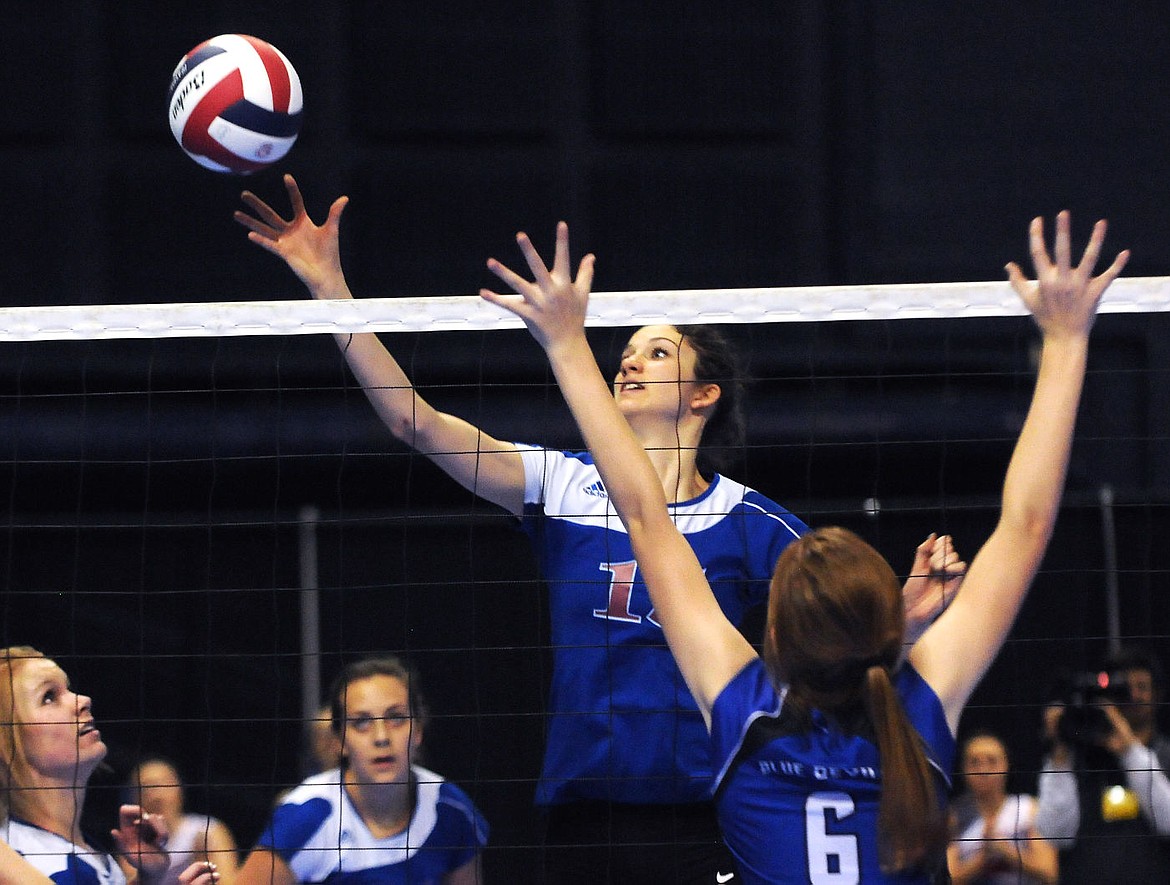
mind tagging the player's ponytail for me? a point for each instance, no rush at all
(911, 827)
(834, 636)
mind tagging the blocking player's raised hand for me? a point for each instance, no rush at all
(553, 303)
(1063, 298)
(310, 250)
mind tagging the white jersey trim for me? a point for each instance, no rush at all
(578, 496)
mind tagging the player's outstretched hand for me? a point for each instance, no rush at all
(553, 305)
(1063, 298)
(934, 580)
(311, 251)
(201, 872)
(141, 838)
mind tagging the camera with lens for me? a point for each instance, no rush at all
(1084, 720)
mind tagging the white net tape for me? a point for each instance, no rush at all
(470, 313)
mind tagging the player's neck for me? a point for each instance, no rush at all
(673, 450)
(386, 809)
(678, 473)
(55, 808)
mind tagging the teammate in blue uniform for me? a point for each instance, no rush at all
(627, 762)
(49, 748)
(831, 758)
(380, 817)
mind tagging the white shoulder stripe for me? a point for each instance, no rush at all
(776, 516)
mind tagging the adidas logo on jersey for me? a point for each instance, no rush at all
(597, 490)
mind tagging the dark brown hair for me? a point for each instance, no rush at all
(716, 361)
(364, 669)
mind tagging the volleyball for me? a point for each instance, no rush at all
(235, 104)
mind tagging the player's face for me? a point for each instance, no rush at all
(654, 362)
(380, 736)
(57, 728)
(985, 767)
(159, 791)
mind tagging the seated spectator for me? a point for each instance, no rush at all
(994, 839)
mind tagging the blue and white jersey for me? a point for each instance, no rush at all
(320, 835)
(622, 725)
(58, 858)
(804, 807)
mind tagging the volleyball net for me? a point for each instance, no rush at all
(469, 312)
(205, 518)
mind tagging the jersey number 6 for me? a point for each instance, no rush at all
(832, 857)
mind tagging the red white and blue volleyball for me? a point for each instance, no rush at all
(235, 104)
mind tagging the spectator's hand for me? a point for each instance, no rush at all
(1000, 855)
(1121, 738)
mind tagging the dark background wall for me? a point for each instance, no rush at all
(149, 540)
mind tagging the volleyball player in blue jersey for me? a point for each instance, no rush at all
(627, 764)
(380, 817)
(830, 757)
(50, 746)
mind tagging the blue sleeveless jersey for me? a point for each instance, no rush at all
(803, 807)
(319, 834)
(622, 725)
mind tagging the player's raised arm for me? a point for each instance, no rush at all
(954, 653)
(487, 466)
(708, 649)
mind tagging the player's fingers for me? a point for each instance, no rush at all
(945, 549)
(1062, 248)
(267, 243)
(334, 219)
(922, 556)
(199, 873)
(1110, 273)
(585, 273)
(535, 262)
(294, 195)
(1093, 249)
(254, 224)
(509, 301)
(262, 209)
(129, 814)
(1036, 245)
(509, 276)
(561, 256)
(1018, 280)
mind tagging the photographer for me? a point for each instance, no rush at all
(1104, 794)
